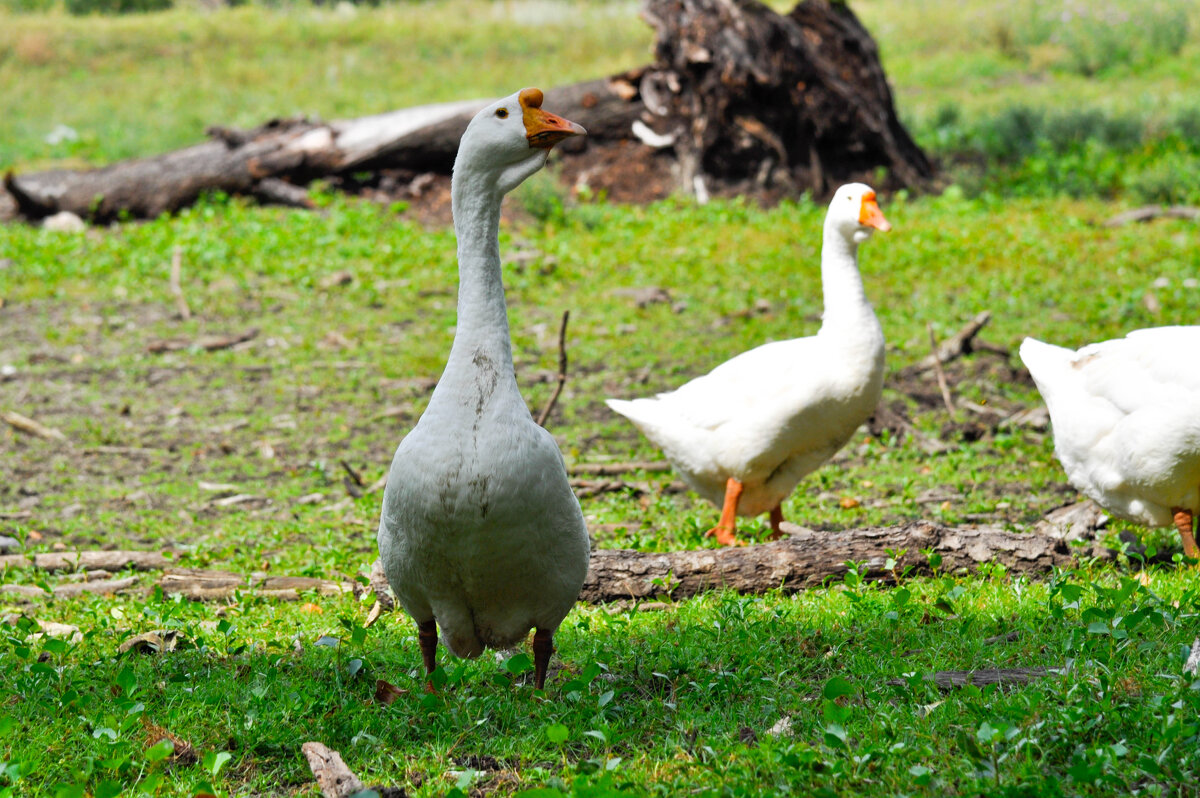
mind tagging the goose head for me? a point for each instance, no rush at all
(510, 139)
(854, 213)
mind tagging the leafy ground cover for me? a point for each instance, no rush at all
(354, 312)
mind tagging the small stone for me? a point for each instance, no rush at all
(64, 222)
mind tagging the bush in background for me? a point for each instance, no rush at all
(1023, 150)
(84, 7)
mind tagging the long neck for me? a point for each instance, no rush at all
(482, 328)
(845, 301)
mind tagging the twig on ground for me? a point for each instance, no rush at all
(961, 343)
(562, 370)
(30, 427)
(209, 343)
(612, 469)
(591, 487)
(353, 482)
(1149, 212)
(181, 304)
(941, 374)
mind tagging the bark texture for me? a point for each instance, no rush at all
(807, 558)
(752, 90)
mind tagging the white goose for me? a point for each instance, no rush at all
(480, 533)
(747, 432)
(1126, 420)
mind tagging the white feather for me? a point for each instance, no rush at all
(1126, 419)
(479, 529)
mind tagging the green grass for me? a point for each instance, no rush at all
(666, 702)
(81, 309)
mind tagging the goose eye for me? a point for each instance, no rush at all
(502, 113)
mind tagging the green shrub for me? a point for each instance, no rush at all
(1169, 181)
(27, 6)
(1012, 133)
(1070, 128)
(1186, 123)
(84, 7)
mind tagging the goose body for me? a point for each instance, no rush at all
(480, 534)
(1126, 421)
(743, 435)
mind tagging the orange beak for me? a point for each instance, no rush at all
(870, 215)
(542, 128)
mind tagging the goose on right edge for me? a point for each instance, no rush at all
(1126, 421)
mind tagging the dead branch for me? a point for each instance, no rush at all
(959, 344)
(562, 370)
(612, 469)
(101, 587)
(197, 584)
(353, 481)
(1002, 677)
(208, 343)
(939, 371)
(30, 427)
(1150, 212)
(86, 561)
(593, 487)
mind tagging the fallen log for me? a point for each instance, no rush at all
(982, 677)
(293, 152)
(808, 558)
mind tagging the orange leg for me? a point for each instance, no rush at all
(1183, 522)
(427, 638)
(543, 647)
(726, 529)
(776, 520)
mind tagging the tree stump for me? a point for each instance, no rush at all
(752, 95)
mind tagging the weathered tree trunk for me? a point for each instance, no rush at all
(752, 92)
(272, 161)
(746, 99)
(808, 558)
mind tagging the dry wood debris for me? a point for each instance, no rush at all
(30, 427)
